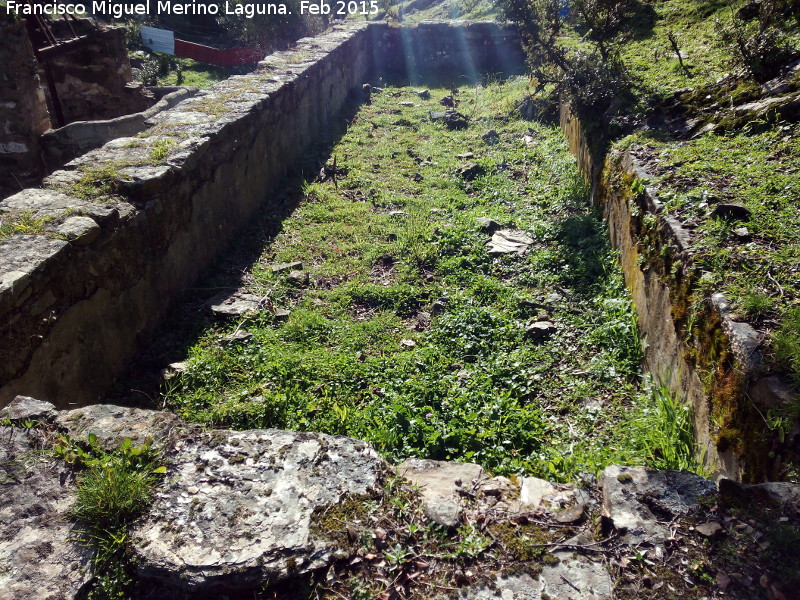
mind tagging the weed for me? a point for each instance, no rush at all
(97, 182)
(23, 223)
(757, 304)
(664, 432)
(161, 150)
(113, 488)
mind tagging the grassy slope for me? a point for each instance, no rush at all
(364, 352)
(452, 9)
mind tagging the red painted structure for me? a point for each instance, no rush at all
(216, 56)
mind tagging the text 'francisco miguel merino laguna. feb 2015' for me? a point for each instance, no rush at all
(119, 10)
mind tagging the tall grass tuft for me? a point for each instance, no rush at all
(113, 489)
(664, 433)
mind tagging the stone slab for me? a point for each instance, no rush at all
(236, 507)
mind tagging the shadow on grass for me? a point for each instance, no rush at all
(584, 248)
(189, 318)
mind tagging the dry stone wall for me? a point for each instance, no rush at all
(448, 50)
(93, 81)
(128, 226)
(711, 360)
(23, 111)
(59, 146)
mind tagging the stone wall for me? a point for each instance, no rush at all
(94, 80)
(59, 146)
(710, 360)
(23, 110)
(456, 51)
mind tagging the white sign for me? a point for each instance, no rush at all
(158, 40)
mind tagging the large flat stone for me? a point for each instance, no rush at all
(576, 578)
(49, 204)
(24, 408)
(39, 559)
(112, 424)
(640, 501)
(236, 507)
(513, 587)
(571, 578)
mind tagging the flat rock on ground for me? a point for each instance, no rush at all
(39, 558)
(234, 304)
(441, 484)
(26, 408)
(507, 241)
(112, 424)
(642, 502)
(236, 508)
(573, 577)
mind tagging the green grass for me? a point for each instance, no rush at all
(161, 150)
(23, 223)
(112, 489)
(474, 10)
(787, 343)
(696, 25)
(410, 335)
(194, 73)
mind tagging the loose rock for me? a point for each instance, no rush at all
(299, 278)
(540, 331)
(469, 171)
(24, 408)
(507, 241)
(234, 304)
(533, 490)
(709, 529)
(79, 230)
(490, 137)
(576, 578)
(237, 336)
(442, 484)
(112, 424)
(742, 234)
(570, 515)
(631, 495)
(488, 225)
(453, 119)
(290, 266)
(731, 211)
(281, 314)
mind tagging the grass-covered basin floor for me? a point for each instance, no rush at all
(411, 336)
